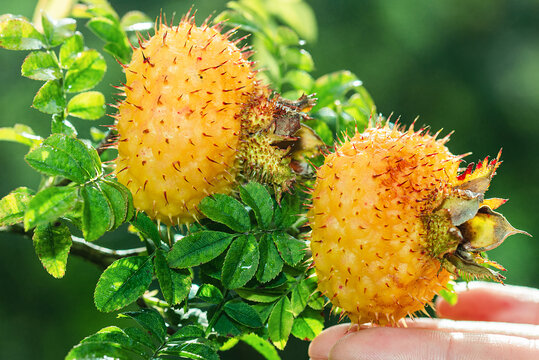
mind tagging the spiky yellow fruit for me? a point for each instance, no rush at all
(186, 124)
(389, 218)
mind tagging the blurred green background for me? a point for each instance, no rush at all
(469, 66)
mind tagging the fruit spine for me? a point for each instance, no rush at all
(194, 118)
(392, 219)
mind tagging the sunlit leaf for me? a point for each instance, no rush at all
(308, 325)
(89, 105)
(122, 283)
(85, 72)
(52, 243)
(280, 323)
(13, 206)
(21, 134)
(136, 21)
(264, 348)
(40, 65)
(49, 204)
(56, 31)
(50, 98)
(62, 155)
(210, 294)
(98, 216)
(70, 48)
(17, 33)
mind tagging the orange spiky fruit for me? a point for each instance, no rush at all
(392, 219)
(186, 123)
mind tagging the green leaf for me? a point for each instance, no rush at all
(198, 248)
(97, 216)
(296, 14)
(264, 348)
(226, 327)
(300, 80)
(59, 125)
(210, 294)
(69, 49)
(89, 105)
(56, 31)
(63, 155)
(123, 282)
(261, 295)
(271, 263)
(13, 206)
(257, 198)
(241, 262)
(300, 296)
(141, 337)
(150, 320)
(120, 200)
(333, 87)
(106, 29)
(50, 98)
(101, 350)
(136, 21)
(50, 204)
(322, 129)
(121, 51)
(115, 335)
(226, 210)
(299, 58)
(175, 284)
(187, 332)
(243, 313)
(316, 300)
(85, 72)
(40, 65)
(291, 249)
(52, 243)
(308, 325)
(147, 228)
(21, 134)
(280, 323)
(17, 33)
(191, 351)
(263, 310)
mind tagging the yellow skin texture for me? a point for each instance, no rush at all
(368, 241)
(179, 124)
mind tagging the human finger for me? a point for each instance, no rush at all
(482, 301)
(417, 344)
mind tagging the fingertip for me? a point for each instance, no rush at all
(482, 301)
(320, 347)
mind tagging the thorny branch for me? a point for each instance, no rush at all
(98, 255)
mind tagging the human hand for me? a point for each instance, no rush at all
(490, 321)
